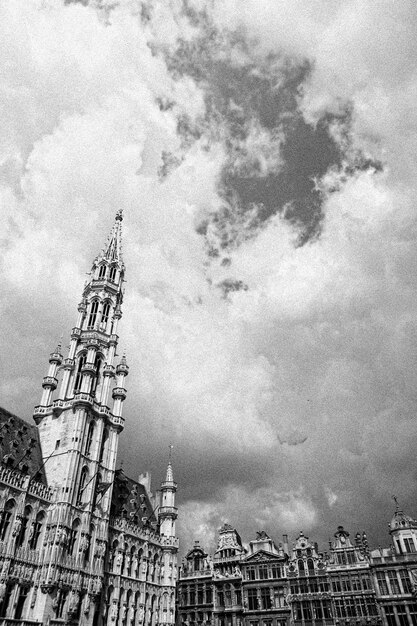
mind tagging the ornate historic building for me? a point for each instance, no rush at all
(270, 585)
(80, 542)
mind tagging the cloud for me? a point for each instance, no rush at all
(269, 239)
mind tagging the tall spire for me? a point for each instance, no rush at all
(112, 251)
(168, 512)
(90, 368)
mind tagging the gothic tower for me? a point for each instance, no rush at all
(79, 431)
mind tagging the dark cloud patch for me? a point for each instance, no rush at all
(169, 162)
(229, 285)
(274, 157)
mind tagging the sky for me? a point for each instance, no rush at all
(264, 154)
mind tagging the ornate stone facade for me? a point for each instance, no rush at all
(270, 585)
(80, 542)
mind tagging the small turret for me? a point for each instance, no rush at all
(50, 381)
(403, 530)
(168, 512)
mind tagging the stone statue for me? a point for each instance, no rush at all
(17, 527)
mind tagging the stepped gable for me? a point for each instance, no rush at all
(130, 501)
(20, 448)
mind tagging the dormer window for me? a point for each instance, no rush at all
(102, 272)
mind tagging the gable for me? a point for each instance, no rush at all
(262, 555)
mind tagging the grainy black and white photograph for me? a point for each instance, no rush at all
(208, 306)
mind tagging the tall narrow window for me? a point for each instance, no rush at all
(83, 482)
(93, 314)
(104, 444)
(61, 602)
(112, 273)
(102, 271)
(21, 601)
(22, 533)
(301, 568)
(4, 605)
(105, 315)
(96, 379)
(73, 536)
(36, 530)
(79, 376)
(5, 518)
(89, 439)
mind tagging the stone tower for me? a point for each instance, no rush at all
(79, 431)
(167, 516)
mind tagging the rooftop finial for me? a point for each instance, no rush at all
(397, 506)
(112, 251)
(170, 473)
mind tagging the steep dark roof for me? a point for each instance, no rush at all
(130, 500)
(20, 447)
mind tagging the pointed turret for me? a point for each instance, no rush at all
(168, 512)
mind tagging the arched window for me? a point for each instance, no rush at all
(112, 273)
(5, 518)
(102, 271)
(36, 530)
(89, 439)
(93, 314)
(73, 536)
(21, 601)
(310, 566)
(301, 568)
(78, 379)
(5, 604)
(105, 315)
(81, 487)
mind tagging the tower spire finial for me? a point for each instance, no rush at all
(112, 251)
(397, 506)
(170, 473)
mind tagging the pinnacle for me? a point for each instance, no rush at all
(170, 474)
